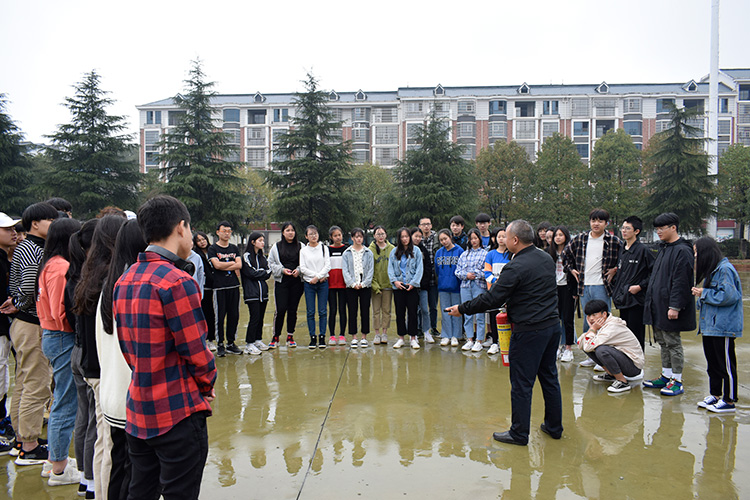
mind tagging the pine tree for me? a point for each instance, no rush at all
(15, 165)
(680, 182)
(196, 171)
(504, 170)
(92, 163)
(434, 180)
(615, 175)
(313, 180)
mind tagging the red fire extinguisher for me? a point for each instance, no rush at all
(503, 335)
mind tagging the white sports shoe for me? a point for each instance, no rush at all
(445, 341)
(588, 362)
(399, 344)
(355, 343)
(47, 468)
(598, 368)
(252, 349)
(363, 343)
(454, 342)
(468, 345)
(211, 345)
(377, 339)
(414, 343)
(477, 347)
(428, 337)
(260, 345)
(637, 377)
(567, 356)
(494, 349)
(70, 475)
(487, 342)
(383, 338)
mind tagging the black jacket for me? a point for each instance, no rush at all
(633, 268)
(255, 273)
(4, 273)
(528, 286)
(427, 270)
(670, 287)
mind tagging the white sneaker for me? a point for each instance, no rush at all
(637, 377)
(399, 344)
(559, 352)
(477, 347)
(377, 339)
(414, 343)
(363, 343)
(260, 345)
(428, 337)
(598, 368)
(47, 468)
(454, 342)
(487, 342)
(211, 345)
(445, 341)
(494, 349)
(70, 475)
(332, 340)
(468, 345)
(567, 356)
(355, 343)
(587, 363)
(383, 338)
(252, 349)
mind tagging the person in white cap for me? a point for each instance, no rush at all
(8, 241)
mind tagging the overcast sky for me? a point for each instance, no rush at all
(142, 49)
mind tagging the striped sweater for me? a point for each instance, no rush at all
(22, 281)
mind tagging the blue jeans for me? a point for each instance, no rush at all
(57, 347)
(593, 292)
(451, 324)
(469, 293)
(424, 311)
(319, 290)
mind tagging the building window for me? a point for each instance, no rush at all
(579, 107)
(631, 105)
(176, 117)
(466, 129)
(581, 129)
(525, 109)
(281, 115)
(604, 126)
(151, 138)
(743, 135)
(466, 107)
(360, 96)
(414, 109)
(498, 129)
(232, 115)
(691, 86)
(361, 134)
(385, 115)
(724, 105)
(583, 150)
(603, 88)
(360, 156)
(633, 128)
(698, 124)
(336, 114)
(693, 103)
(530, 148)
(386, 134)
(549, 128)
(258, 98)
(256, 158)
(333, 96)
(361, 115)
(524, 89)
(605, 107)
(442, 109)
(277, 133)
(525, 129)
(153, 117)
(469, 152)
(551, 108)
(439, 90)
(256, 136)
(744, 92)
(662, 125)
(232, 136)
(663, 105)
(498, 107)
(256, 116)
(725, 127)
(386, 156)
(743, 113)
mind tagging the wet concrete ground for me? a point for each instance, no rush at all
(384, 423)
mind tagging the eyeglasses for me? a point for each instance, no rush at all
(226, 231)
(662, 228)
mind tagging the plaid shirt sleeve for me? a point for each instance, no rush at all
(162, 335)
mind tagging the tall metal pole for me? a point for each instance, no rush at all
(713, 107)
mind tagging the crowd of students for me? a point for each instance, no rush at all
(68, 315)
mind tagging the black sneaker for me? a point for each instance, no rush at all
(6, 429)
(5, 447)
(37, 456)
(322, 342)
(233, 349)
(220, 351)
(313, 342)
(90, 495)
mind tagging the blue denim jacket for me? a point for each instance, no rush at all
(720, 305)
(413, 275)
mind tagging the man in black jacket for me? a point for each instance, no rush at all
(631, 281)
(528, 286)
(669, 306)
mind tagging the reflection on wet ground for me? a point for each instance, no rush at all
(384, 423)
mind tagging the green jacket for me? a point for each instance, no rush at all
(380, 279)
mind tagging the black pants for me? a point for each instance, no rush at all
(173, 461)
(406, 303)
(721, 367)
(227, 304)
(287, 296)
(566, 308)
(633, 317)
(358, 300)
(532, 355)
(207, 304)
(256, 308)
(493, 324)
(119, 478)
(614, 360)
(337, 303)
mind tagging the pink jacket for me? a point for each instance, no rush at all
(51, 299)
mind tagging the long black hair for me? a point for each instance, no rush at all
(552, 249)
(78, 247)
(128, 244)
(401, 250)
(289, 251)
(199, 250)
(95, 269)
(708, 255)
(58, 241)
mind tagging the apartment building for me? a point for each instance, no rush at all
(382, 125)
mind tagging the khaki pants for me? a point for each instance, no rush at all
(33, 379)
(102, 446)
(381, 310)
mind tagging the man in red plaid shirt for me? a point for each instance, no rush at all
(162, 335)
